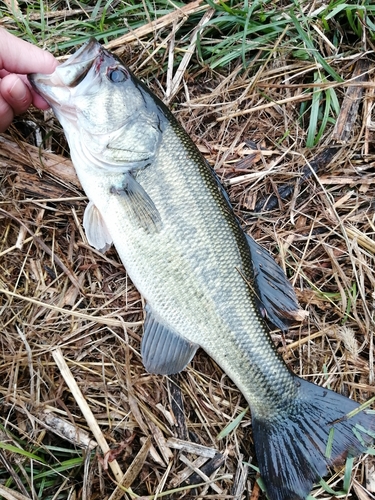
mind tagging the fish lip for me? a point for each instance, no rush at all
(71, 72)
(87, 52)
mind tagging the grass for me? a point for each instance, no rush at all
(261, 89)
(38, 470)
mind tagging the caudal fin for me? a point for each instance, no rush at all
(294, 449)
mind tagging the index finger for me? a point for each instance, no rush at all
(18, 56)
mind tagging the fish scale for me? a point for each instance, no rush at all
(199, 298)
(205, 282)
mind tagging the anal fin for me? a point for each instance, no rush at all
(164, 351)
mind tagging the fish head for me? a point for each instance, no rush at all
(101, 104)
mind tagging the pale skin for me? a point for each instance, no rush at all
(17, 59)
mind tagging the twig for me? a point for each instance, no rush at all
(190, 447)
(187, 56)
(86, 411)
(103, 320)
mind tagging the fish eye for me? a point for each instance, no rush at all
(117, 75)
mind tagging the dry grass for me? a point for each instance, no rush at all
(71, 371)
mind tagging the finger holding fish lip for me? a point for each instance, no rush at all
(15, 98)
(17, 58)
(16, 89)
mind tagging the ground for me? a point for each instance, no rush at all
(288, 104)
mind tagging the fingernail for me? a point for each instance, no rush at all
(18, 90)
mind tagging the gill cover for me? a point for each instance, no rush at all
(102, 105)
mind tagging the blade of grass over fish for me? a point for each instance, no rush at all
(260, 481)
(366, 431)
(328, 451)
(232, 425)
(261, 484)
(362, 407)
(358, 435)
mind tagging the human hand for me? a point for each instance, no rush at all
(17, 59)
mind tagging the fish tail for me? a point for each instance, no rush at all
(322, 429)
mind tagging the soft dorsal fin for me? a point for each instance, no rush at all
(95, 228)
(278, 301)
(138, 203)
(164, 351)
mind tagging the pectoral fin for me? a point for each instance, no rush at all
(277, 299)
(164, 351)
(138, 202)
(95, 228)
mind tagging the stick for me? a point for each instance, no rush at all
(85, 409)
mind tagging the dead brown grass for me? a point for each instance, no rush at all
(70, 371)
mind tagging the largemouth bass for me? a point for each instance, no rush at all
(206, 284)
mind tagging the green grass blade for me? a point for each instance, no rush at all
(314, 114)
(329, 490)
(232, 425)
(328, 451)
(324, 122)
(336, 10)
(20, 451)
(348, 473)
(314, 52)
(59, 469)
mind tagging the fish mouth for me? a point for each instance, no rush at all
(70, 73)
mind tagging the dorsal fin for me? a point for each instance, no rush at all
(277, 299)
